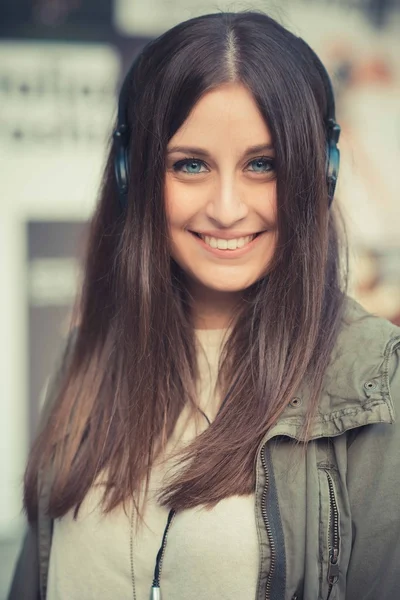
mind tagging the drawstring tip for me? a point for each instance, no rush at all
(155, 593)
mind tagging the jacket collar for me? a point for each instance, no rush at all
(356, 388)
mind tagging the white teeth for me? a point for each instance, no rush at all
(227, 244)
(211, 241)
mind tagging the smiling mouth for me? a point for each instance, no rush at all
(223, 244)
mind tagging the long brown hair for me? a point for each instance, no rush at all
(132, 366)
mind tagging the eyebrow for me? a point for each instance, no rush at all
(202, 152)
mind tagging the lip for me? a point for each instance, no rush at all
(228, 254)
(227, 235)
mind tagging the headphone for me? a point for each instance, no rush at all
(121, 134)
(332, 128)
(121, 140)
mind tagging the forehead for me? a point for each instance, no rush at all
(226, 115)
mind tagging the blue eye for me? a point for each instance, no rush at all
(264, 164)
(192, 164)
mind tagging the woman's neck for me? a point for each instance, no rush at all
(213, 309)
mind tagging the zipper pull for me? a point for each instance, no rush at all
(333, 572)
(155, 593)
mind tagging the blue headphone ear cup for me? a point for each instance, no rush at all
(121, 167)
(121, 170)
(332, 168)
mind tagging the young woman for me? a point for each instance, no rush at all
(222, 425)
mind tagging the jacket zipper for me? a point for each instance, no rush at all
(333, 568)
(267, 525)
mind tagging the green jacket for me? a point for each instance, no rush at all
(330, 514)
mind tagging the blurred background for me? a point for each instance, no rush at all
(61, 63)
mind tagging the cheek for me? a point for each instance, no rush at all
(177, 205)
(178, 212)
(266, 204)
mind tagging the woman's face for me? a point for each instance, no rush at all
(220, 192)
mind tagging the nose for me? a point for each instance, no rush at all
(227, 206)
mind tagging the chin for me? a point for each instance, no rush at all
(227, 286)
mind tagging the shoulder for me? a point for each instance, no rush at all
(364, 332)
(362, 381)
(366, 355)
